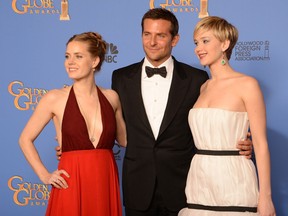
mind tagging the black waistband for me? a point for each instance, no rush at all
(223, 208)
(216, 152)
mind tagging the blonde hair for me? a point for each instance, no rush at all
(221, 29)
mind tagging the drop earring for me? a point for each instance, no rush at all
(223, 62)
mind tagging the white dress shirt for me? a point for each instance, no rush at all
(155, 91)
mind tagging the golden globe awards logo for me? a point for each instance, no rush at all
(64, 10)
(203, 9)
(40, 7)
(26, 193)
(182, 6)
(25, 98)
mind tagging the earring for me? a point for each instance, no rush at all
(223, 62)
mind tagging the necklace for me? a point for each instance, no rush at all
(92, 138)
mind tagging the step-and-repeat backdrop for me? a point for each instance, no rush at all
(33, 34)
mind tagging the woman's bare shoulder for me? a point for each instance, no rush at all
(108, 92)
(57, 94)
(111, 96)
(246, 85)
(246, 80)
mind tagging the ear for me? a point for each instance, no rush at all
(95, 62)
(225, 45)
(175, 40)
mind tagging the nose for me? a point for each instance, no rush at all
(153, 40)
(197, 46)
(197, 49)
(70, 61)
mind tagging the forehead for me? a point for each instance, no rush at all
(156, 25)
(75, 46)
(203, 33)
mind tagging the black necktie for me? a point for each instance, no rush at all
(151, 71)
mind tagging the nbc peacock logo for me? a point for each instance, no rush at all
(111, 53)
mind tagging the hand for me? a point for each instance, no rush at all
(266, 207)
(58, 152)
(246, 146)
(56, 180)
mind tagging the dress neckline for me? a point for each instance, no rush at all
(217, 108)
(100, 107)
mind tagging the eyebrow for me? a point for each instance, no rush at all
(204, 37)
(76, 53)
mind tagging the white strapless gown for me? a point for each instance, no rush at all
(219, 180)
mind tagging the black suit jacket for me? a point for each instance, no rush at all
(166, 159)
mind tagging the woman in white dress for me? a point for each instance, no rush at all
(220, 181)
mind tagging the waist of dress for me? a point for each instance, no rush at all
(223, 208)
(87, 151)
(218, 152)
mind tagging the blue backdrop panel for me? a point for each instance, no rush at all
(32, 47)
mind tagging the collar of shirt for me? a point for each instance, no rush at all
(168, 64)
(155, 91)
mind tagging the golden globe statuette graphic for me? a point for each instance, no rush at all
(64, 10)
(203, 9)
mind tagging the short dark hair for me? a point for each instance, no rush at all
(164, 14)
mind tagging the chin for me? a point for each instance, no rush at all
(204, 64)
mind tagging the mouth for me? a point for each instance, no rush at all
(152, 49)
(201, 55)
(72, 69)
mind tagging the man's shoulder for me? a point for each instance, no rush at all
(190, 69)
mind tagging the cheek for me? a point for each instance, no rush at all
(145, 40)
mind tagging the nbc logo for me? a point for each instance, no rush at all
(111, 53)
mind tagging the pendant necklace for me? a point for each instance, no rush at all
(92, 138)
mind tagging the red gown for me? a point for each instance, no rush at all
(93, 186)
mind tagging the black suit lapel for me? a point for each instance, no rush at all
(136, 99)
(177, 94)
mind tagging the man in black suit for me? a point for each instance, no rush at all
(155, 107)
(160, 145)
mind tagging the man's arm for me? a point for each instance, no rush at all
(246, 147)
(58, 150)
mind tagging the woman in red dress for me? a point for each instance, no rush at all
(87, 120)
